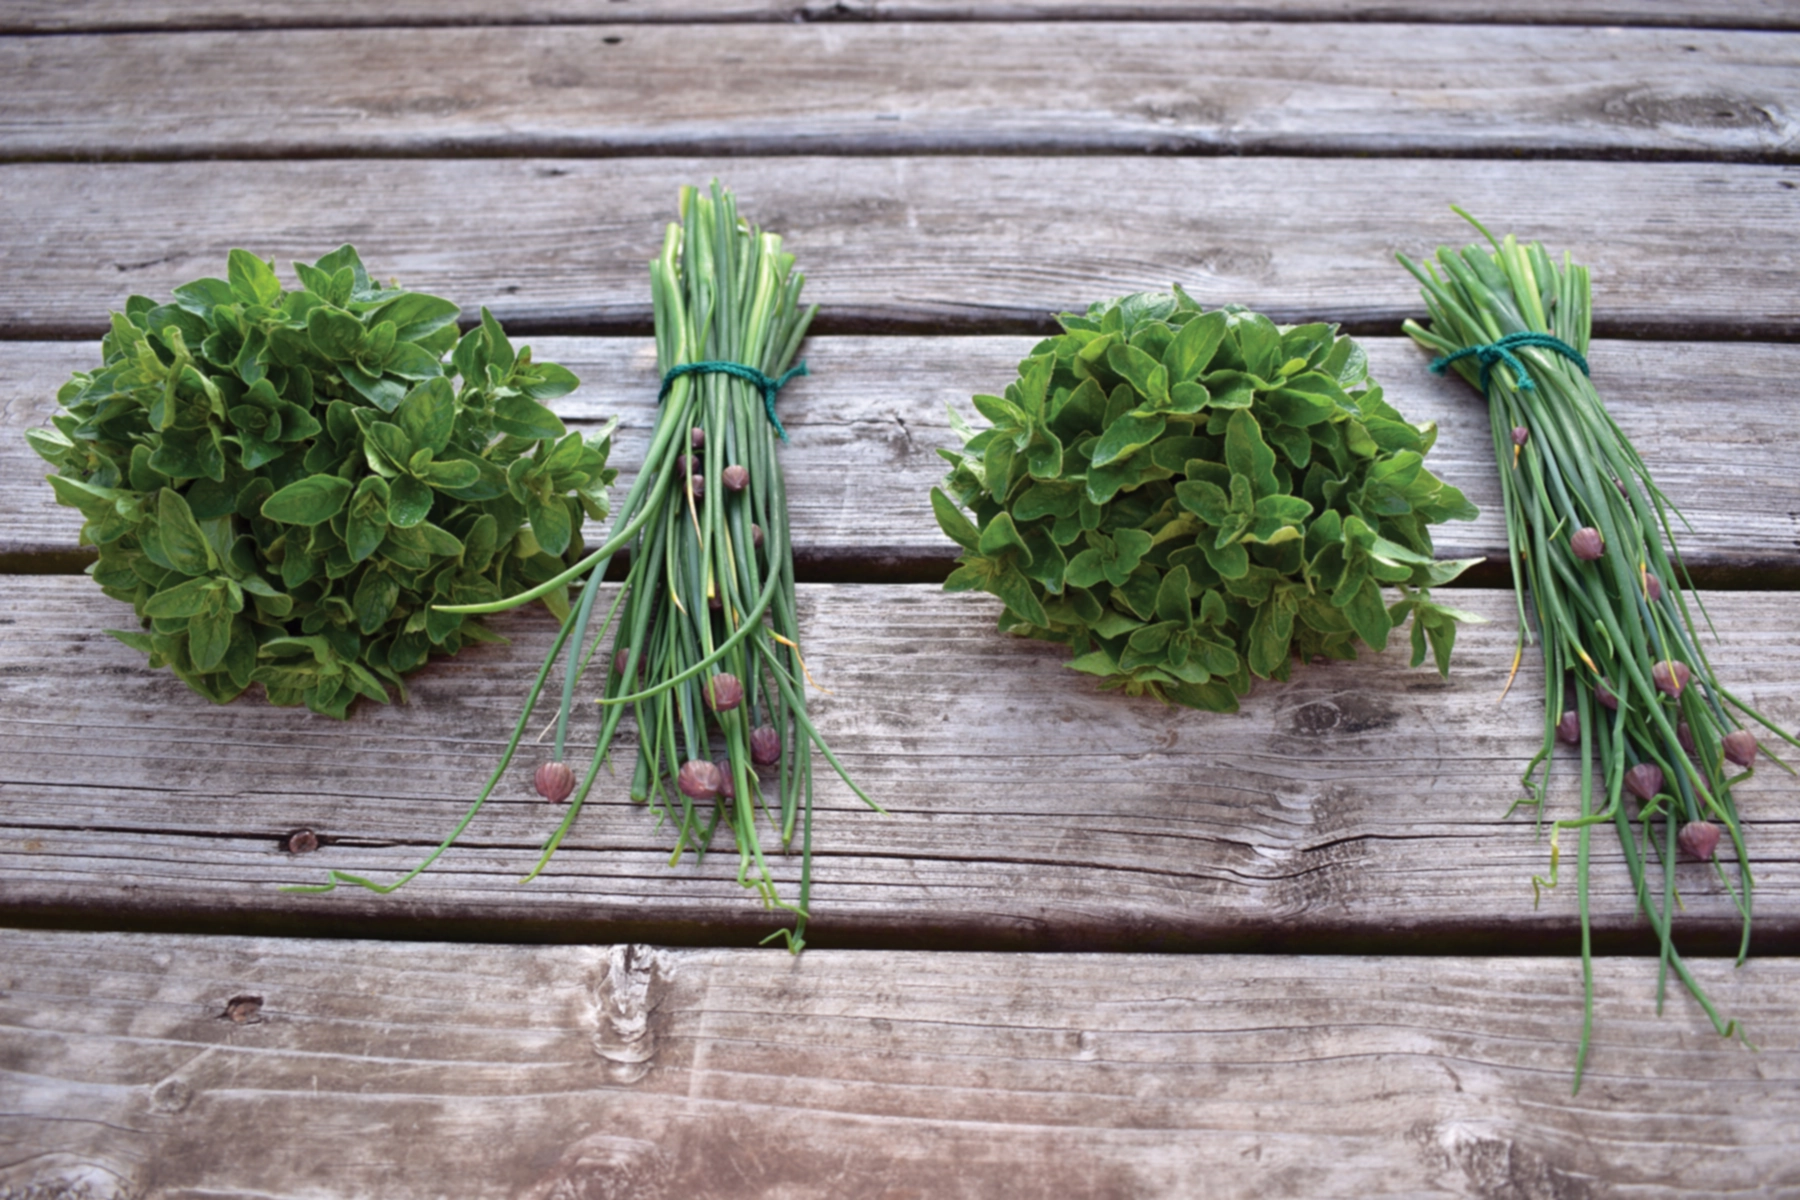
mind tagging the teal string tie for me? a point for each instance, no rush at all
(1501, 351)
(768, 385)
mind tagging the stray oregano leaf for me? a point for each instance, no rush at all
(1191, 499)
(284, 483)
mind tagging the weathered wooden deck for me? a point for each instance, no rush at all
(1100, 948)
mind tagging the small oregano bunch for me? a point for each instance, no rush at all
(1189, 499)
(284, 483)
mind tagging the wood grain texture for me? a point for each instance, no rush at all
(900, 88)
(77, 16)
(1712, 419)
(922, 244)
(1360, 806)
(387, 1069)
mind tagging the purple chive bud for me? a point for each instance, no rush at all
(1644, 781)
(756, 534)
(1670, 677)
(727, 785)
(1568, 729)
(555, 781)
(1739, 747)
(1520, 435)
(621, 659)
(1652, 586)
(765, 746)
(736, 477)
(685, 464)
(1587, 543)
(698, 779)
(1699, 839)
(1685, 736)
(697, 437)
(699, 488)
(725, 692)
(1604, 695)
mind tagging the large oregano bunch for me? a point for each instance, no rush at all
(283, 483)
(1189, 499)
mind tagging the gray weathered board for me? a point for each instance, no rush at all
(75, 16)
(184, 1067)
(900, 88)
(1713, 421)
(935, 244)
(1358, 806)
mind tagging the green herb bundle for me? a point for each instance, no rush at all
(284, 483)
(706, 655)
(1189, 499)
(1591, 542)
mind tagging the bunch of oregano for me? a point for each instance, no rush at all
(706, 655)
(1191, 499)
(1626, 681)
(283, 483)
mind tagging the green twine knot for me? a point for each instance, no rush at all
(1502, 352)
(766, 384)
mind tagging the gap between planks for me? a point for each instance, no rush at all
(124, 16)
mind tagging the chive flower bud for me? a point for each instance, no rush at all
(756, 534)
(1520, 435)
(699, 488)
(697, 437)
(554, 781)
(1652, 587)
(1568, 730)
(1644, 781)
(1699, 839)
(765, 746)
(622, 660)
(727, 786)
(1587, 543)
(1604, 695)
(1670, 677)
(724, 693)
(736, 477)
(1740, 747)
(1685, 736)
(685, 464)
(698, 779)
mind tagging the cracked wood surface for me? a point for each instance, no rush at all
(1360, 806)
(76, 16)
(1711, 419)
(905, 88)
(184, 1067)
(932, 245)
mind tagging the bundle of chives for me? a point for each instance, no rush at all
(708, 643)
(1590, 539)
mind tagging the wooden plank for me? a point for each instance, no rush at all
(924, 244)
(89, 16)
(902, 88)
(627, 1070)
(1361, 806)
(1710, 417)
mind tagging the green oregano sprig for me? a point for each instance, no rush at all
(284, 482)
(1191, 499)
(1627, 683)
